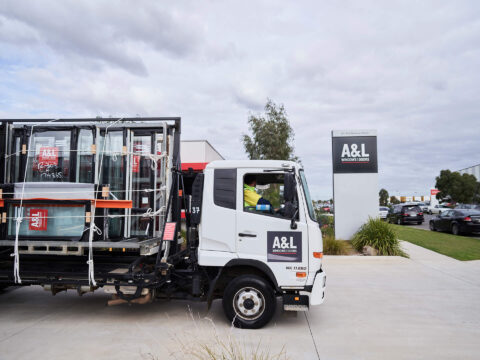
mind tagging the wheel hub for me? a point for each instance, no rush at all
(249, 303)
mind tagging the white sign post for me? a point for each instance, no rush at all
(355, 180)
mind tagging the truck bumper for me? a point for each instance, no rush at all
(317, 296)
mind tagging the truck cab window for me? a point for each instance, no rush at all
(308, 198)
(263, 194)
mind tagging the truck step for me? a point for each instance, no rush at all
(295, 307)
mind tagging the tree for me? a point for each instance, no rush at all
(456, 187)
(272, 136)
(394, 200)
(383, 195)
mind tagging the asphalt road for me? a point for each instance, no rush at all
(425, 225)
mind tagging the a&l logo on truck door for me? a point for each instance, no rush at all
(284, 246)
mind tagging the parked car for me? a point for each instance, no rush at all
(437, 209)
(423, 206)
(326, 208)
(458, 221)
(402, 214)
(468, 206)
(383, 212)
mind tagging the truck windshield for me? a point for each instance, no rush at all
(308, 198)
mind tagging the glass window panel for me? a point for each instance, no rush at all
(141, 171)
(85, 156)
(159, 195)
(48, 220)
(113, 163)
(115, 224)
(49, 157)
(17, 150)
(141, 226)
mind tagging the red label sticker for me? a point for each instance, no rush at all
(48, 155)
(169, 232)
(136, 163)
(38, 219)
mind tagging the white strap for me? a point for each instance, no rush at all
(155, 158)
(16, 261)
(151, 213)
(93, 227)
(91, 273)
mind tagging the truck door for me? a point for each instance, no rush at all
(264, 232)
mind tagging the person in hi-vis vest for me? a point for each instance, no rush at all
(250, 196)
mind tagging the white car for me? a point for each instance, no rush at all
(437, 209)
(383, 212)
(424, 207)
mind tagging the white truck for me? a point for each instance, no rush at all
(245, 255)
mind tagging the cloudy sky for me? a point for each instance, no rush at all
(410, 69)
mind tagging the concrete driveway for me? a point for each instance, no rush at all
(426, 307)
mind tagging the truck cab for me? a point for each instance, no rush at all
(271, 248)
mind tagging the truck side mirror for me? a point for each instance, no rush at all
(289, 187)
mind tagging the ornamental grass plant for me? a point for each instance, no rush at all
(331, 246)
(381, 236)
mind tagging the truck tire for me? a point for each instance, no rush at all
(249, 302)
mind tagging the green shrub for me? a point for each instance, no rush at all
(325, 219)
(379, 235)
(334, 247)
(328, 231)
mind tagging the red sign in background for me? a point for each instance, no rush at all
(38, 219)
(48, 155)
(434, 192)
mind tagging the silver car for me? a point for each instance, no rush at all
(383, 212)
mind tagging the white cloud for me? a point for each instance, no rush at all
(408, 69)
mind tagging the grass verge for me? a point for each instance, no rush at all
(457, 247)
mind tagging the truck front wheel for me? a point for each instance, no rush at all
(249, 302)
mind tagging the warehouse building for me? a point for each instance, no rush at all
(196, 154)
